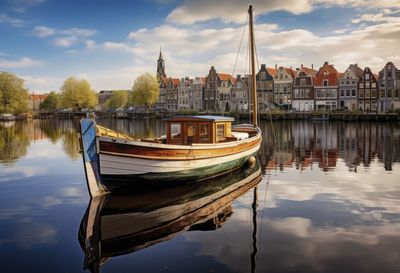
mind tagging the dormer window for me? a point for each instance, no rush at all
(325, 73)
(325, 83)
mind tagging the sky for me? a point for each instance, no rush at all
(111, 42)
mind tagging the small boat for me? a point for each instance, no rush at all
(7, 117)
(115, 225)
(194, 148)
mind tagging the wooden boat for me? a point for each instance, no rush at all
(115, 225)
(194, 148)
(7, 117)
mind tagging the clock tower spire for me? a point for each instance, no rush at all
(160, 67)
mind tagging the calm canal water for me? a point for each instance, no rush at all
(328, 201)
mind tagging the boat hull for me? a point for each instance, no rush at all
(161, 172)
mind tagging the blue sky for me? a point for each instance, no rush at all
(110, 43)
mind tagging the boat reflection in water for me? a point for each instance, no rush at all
(115, 225)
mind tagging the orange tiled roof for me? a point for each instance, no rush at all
(225, 77)
(290, 72)
(271, 71)
(308, 71)
(37, 97)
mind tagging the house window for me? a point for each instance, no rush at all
(342, 93)
(353, 93)
(325, 82)
(307, 93)
(361, 93)
(373, 93)
(347, 93)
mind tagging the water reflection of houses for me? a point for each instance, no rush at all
(302, 144)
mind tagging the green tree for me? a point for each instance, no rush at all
(118, 99)
(13, 95)
(145, 91)
(51, 102)
(77, 94)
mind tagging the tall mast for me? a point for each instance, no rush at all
(253, 66)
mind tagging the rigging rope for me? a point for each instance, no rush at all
(240, 45)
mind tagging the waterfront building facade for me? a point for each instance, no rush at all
(303, 92)
(240, 95)
(283, 83)
(162, 97)
(389, 85)
(326, 88)
(102, 98)
(183, 93)
(34, 100)
(265, 87)
(368, 92)
(348, 87)
(196, 95)
(171, 94)
(217, 91)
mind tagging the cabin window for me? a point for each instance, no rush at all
(204, 132)
(220, 131)
(176, 130)
(191, 132)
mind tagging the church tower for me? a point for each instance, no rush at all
(160, 67)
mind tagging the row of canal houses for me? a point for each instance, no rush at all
(301, 89)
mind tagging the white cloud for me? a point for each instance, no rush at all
(192, 11)
(39, 83)
(23, 5)
(66, 37)
(65, 41)
(43, 31)
(377, 17)
(19, 63)
(4, 18)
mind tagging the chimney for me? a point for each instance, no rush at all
(238, 76)
(276, 67)
(326, 63)
(312, 66)
(301, 66)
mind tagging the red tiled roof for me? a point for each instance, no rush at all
(331, 75)
(175, 81)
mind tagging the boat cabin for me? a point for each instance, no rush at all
(186, 130)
